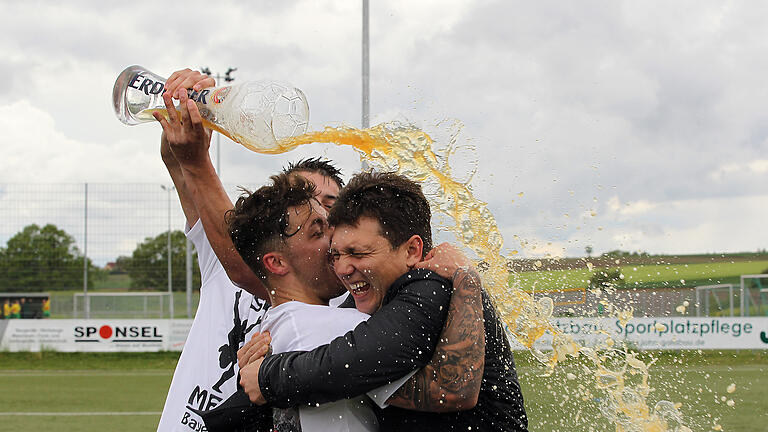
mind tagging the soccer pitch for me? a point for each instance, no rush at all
(126, 391)
(640, 276)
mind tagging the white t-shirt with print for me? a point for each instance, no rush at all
(296, 326)
(206, 373)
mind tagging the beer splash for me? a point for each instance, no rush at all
(615, 371)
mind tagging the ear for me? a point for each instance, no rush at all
(275, 263)
(414, 248)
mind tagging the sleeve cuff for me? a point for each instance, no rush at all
(380, 395)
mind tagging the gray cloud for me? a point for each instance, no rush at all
(576, 105)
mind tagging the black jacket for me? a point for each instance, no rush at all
(397, 339)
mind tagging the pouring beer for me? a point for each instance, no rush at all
(256, 114)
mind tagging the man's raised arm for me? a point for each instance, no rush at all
(189, 142)
(177, 176)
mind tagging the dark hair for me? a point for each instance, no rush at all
(316, 165)
(258, 222)
(397, 203)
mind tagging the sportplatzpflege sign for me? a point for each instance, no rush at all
(665, 333)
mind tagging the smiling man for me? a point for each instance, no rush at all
(381, 233)
(368, 264)
(281, 231)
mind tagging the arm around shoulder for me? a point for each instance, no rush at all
(452, 379)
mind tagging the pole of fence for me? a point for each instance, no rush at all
(170, 269)
(698, 302)
(85, 253)
(170, 256)
(742, 303)
(730, 297)
(189, 278)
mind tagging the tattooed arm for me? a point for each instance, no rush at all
(451, 381)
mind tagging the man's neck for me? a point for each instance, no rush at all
(291, 290)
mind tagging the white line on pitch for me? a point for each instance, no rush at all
(107, 413)
(82, 373)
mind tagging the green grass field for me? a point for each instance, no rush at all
(88, 392)
(643, 276)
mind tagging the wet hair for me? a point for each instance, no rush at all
(396, 202)
(316, 165)
(259, 221)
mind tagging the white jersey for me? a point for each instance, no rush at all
(206, 374)
(296, 326)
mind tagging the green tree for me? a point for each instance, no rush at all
(43, 259)
(148, 265)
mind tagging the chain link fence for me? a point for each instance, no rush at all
(64, 239)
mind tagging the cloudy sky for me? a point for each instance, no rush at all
(631, 125)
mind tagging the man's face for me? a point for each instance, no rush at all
(326, 190)
(307, 249)
(366, 263)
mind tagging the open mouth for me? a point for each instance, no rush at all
(359, 288)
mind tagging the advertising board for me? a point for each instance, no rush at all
(665, 332)
(94, 335)
(72, 335)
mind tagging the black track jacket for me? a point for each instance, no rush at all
(398, 338)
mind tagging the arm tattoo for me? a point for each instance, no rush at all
(452, 379)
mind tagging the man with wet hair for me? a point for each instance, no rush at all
(283, 236)
(281, 231)
(381, 233)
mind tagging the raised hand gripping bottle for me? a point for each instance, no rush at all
(256, 114)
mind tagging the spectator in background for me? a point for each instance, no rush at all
(47, 307)
(6, 309)
(15, 309)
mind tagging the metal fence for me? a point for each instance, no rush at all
(105, 222)
(98, 228)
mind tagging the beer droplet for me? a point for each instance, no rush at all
(731, 388)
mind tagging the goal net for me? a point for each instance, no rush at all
(122, 305)
(716, 300)
(754, 295)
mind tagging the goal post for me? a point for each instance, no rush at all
(706, 292)
(754, 294)
(122, 305)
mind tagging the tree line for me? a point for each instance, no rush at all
(47, 259)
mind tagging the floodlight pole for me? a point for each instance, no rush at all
(227, 78)
(366, 69)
